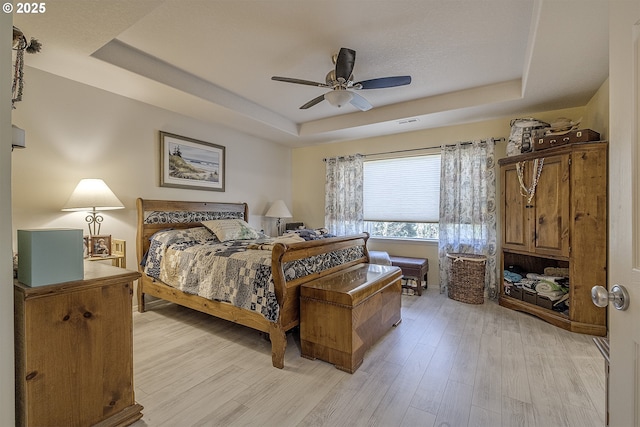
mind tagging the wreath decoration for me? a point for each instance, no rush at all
(21, 45)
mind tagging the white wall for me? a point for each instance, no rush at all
(7, 408)
(74, 131)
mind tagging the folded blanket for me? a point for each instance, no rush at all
(528, 284)
(552, 295)
(546, 286)
(307, 234)
(535, 276)
(268, 245)
(556, 271)
(511, 276)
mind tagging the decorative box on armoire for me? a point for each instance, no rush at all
(74, 350)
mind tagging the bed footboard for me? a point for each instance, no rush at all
(298, 263)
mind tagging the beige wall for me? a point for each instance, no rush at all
(597, 112)
(74, 131)
(308, 167)
(7, 408)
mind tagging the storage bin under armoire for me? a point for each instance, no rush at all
(466, 277)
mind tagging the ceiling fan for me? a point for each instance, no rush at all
(340, 80)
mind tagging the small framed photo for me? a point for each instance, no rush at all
(189, 163)
(87, 246)
(101, 245)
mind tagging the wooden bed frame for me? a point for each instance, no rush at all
(287, 292)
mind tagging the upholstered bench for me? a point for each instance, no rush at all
(414, 269)
(343, 314)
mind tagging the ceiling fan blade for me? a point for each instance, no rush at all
(383, 82)
(299, 81)
(344, 63)
(313, 102)
(360, 103)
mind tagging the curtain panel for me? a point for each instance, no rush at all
(343, 212)
(468, 207)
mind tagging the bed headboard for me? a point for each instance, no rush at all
(156, 215)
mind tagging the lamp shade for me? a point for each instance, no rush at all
(338, 98)
(92, 194)
(278, 210)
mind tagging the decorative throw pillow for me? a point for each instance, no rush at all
(183, 235)
(231, 229)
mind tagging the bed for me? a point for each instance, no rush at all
(287, 266)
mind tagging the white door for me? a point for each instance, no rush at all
(624, 212)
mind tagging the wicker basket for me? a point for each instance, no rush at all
(466, 277)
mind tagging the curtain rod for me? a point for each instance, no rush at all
(495, 140)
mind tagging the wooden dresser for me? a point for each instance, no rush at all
(74, 350)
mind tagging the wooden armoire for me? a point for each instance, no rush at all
(562, 224)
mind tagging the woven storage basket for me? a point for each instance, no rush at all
(466, 277)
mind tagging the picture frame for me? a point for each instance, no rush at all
(86, 240)
(190, 163)
(100, 245)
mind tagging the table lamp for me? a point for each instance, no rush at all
(278, 210)
(92, 195)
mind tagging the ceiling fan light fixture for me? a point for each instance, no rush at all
(338, 98)
(340, 79)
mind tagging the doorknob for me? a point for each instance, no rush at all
(619, 295)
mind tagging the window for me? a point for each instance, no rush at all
(402, 197)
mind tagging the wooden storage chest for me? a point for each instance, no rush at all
(345, 313)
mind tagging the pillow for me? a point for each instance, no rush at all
(171, 236)
(231, 229)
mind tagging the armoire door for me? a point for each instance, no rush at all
(515, 224)
(551, 203)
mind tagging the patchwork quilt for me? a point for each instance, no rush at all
(196, 262)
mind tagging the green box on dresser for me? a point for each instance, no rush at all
(47, 256)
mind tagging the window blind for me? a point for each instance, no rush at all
(402, 189)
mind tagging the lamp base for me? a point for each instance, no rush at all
(94, 219)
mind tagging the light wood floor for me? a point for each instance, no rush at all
(448, 364)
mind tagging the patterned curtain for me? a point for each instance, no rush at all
(468, 207)
(343, 213)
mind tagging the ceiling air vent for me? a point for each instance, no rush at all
(407, 121)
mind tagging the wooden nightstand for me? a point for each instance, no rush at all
(74, 350)
(118, 255)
